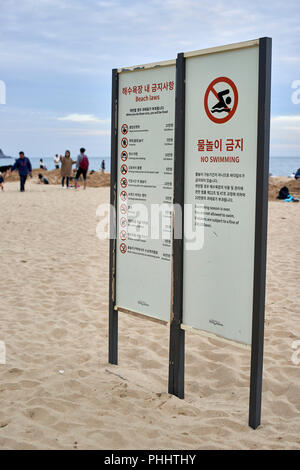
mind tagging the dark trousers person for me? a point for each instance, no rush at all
(67, 181)
(23, 179)
(80, 172)
(24, 168)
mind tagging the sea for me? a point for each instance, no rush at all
(95, 162)
(284, 166)
(279, 166)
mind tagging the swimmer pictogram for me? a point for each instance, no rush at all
(224, 90)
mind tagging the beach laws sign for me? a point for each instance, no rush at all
(144, 189)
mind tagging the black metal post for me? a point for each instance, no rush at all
(177, 343)
(113, 314)
(261, 220)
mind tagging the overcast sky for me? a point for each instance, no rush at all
(56, 58)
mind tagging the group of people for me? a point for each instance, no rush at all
(82, 166)
(24, 168)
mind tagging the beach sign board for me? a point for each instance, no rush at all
(221, 106)
(202, 145)
(146, 115)
(221, 170)
(142, 155)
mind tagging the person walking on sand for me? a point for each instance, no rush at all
(24, 168)
(82, 166)
(66, 168)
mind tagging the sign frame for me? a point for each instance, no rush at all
(176, 363)
(177, 334)
(113, 312)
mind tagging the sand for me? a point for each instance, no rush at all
(277, 182)
(98, 180)
(57, 390)
(95, 179)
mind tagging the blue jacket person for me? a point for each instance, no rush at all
(24, 168)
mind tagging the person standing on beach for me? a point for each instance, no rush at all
(24, 168)
(56, 160)
(82, 166)
(66, 168)
(103, 166)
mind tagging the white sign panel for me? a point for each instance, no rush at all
(146, 117)
(220, 184)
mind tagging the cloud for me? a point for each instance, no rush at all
(293, 118)
(287, 128)
(83, 36)
(54, 131)
(57, 55)
(88, 118)
(292, 60)
(285, 134)
(86, 132)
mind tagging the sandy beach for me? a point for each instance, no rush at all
(57, 390)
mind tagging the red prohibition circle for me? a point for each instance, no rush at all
(123, 235)
(123, 209)
(124, 156)
(123, 182)
(123, 222)
(124, 129)
(123, 248)
(123, 195)
(124, 169)
(124, 142)
(210, 88)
